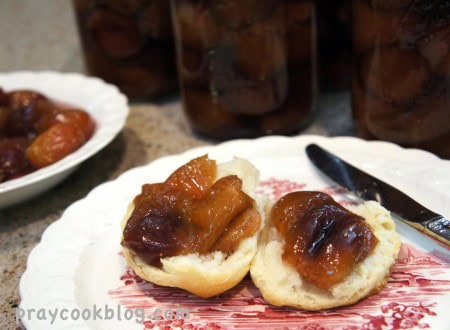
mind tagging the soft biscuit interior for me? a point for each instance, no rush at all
(206, 275)
(281, 284)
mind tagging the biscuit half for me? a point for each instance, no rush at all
(281, 284)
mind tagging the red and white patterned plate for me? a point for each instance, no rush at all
(78, 274)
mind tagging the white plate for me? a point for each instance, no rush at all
(78, 268)
(103, 101)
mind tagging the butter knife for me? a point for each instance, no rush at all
(368, 187)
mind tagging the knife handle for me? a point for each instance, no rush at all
(439, 228)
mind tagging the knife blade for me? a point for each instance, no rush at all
(368, 187)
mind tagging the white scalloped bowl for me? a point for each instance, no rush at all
(103, 101)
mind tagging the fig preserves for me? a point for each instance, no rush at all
(246, 68)
(323, 240)
(401, 79)
(129, 43)
(190, 212)
(36, 131)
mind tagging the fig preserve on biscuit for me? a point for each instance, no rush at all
(203, 218)
(315, 254)
(324, 241)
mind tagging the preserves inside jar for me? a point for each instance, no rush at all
(323, 240)
(129, 44)
(401, 75)
(247, 68)
(190, 213)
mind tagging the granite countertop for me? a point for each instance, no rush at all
(44, 37)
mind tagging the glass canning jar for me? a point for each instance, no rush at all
(129, 43)
(246, 68)
(401, 80)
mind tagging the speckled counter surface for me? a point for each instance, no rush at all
(34, 36)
